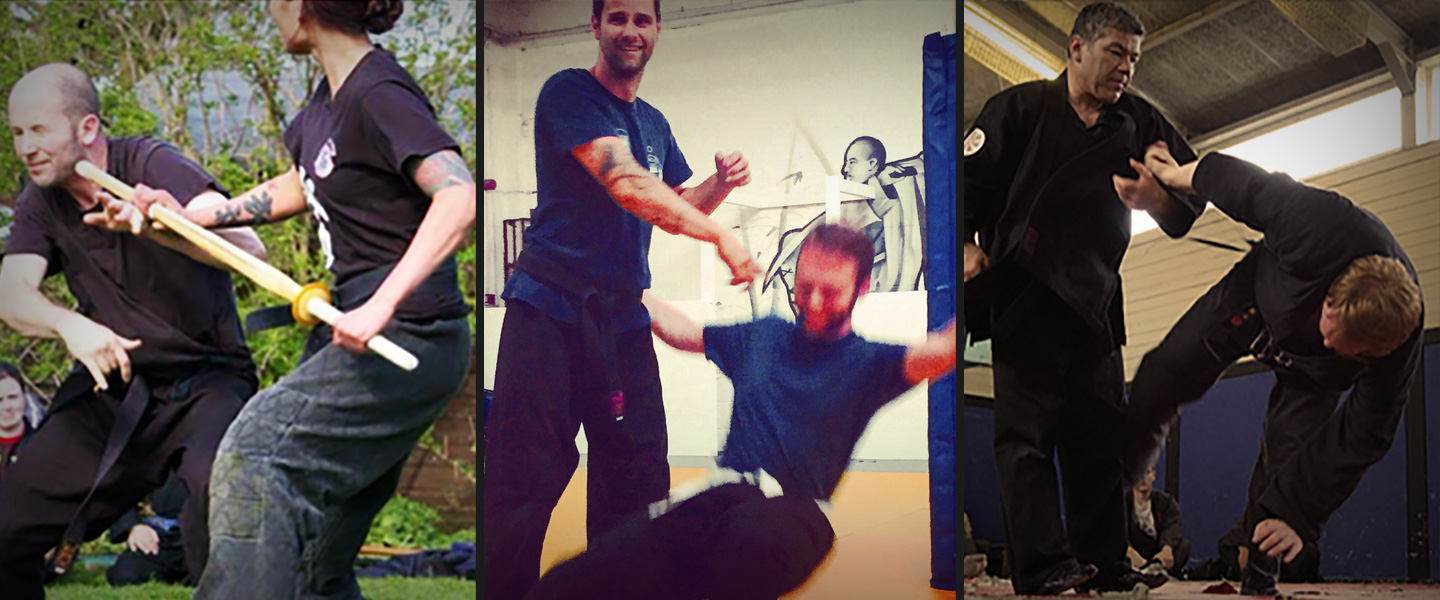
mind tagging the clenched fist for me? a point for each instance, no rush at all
(732, 170)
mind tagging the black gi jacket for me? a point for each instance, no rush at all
(1038, 191)
(1167, 524)
(1311, 237)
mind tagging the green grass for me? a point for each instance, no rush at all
(89, 584)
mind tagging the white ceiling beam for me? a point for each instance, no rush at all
(1322, 101)
(1395, 46)
(1190, 21)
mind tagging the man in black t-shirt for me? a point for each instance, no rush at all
(161, 362)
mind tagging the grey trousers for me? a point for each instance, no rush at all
(309, 462)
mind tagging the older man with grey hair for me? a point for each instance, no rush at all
(1044, 236)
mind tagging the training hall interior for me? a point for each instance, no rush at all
(1339, 95)
(791, 85)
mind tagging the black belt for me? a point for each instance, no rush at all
(132, 408)
(354, 291)
(597, 309)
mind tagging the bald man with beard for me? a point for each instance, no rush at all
(161, 365)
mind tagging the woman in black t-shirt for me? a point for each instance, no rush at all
(310, 461)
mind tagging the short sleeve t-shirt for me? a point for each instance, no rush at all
(801, 404)
(183, 310)
(576, 223)
(351, 152)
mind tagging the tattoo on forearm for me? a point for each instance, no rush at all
(227, 216)
(247, 210)
(607, 163)
(441, 170)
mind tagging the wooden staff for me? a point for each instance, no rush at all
(309, 303)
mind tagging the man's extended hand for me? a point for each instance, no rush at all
(1276, 538)
(117, 216)
(96, 347)
(1143, 193)
(144, 540)
(975, 260)
(742, 265)
(732, 170)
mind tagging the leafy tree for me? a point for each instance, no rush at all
(210, 77)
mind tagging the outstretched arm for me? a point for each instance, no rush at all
(935, 357)
(126, 217)
(29, 312)
(644, 195)
(1168, 171)
(672, 326)
(279, 198)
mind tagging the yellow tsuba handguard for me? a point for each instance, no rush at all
(298, 308)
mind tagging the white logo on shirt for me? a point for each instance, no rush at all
(322, 218)
(974, 141)
(325, 161)
(654, 163)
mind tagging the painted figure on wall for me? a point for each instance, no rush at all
(892, 216)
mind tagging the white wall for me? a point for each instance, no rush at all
(776, 87)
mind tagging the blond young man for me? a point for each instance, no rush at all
(1328, 300)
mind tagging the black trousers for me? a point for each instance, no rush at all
(1313, 450)
(545, 389)
(165, 566)
(727, 543)
(1054, 392)
(41, 492)
(1180, 551)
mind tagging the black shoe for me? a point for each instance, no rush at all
(1126, 582)
(1066, 577)
(1260, 574)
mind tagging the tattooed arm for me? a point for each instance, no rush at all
(125, 216)
(644, 195)
(243, 238)
(446, 179)
(275, 200)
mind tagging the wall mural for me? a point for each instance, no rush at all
(892, 215)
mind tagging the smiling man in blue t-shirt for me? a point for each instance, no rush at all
(755, 526)
(574, 349)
